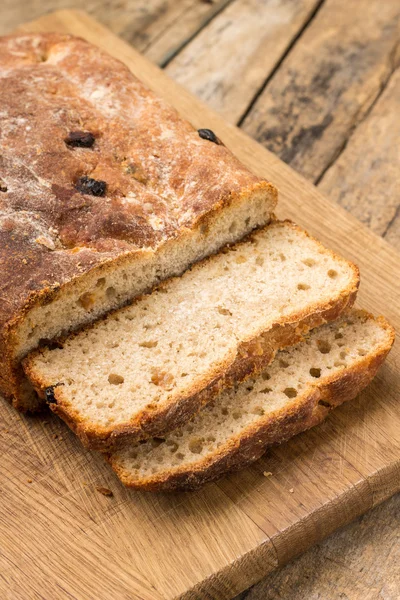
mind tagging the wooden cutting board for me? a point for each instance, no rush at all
(61, 538)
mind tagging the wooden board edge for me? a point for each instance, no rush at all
(386, 481)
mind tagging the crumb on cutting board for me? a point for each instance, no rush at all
(105, 491)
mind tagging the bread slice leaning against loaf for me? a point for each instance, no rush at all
(150, 366)
(104, 191)
(296, 392)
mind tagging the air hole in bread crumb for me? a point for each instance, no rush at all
(180, 456)
(303, 286)
(86, 301)
(343, 354)
(156, 441)
(224, 311)
(314, 372)
(115, 379)
(290, 392)
(283, 363)
(361, 352)
(173, 447)
(338, 335)
(233, 227)
(210, 438)
(148, 344)
(111, 292)
(236, 414)
(240, 259)
(282, 256)
(195, 445)
(265, 376)
(309, 262)
(224, 410)
(259, 261)
(332, 273)
(258, 410)
(266, 390)
(339, 363)
(323, 346)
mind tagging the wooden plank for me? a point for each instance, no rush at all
(51, 497)
(327, 83)
(365, 178)
(158, 28)
(212, 544)
(360, 562)
(232, 57)
(178, 31)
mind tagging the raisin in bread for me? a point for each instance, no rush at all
(104, 191)
(296, 392)
(148, 367)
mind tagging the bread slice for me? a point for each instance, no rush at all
(148, 367)
(104, 191)
(296, 392)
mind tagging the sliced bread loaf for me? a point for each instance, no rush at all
(104, 191)
(296, 392)
(148, 367)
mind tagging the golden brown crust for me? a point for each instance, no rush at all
(306, 411)
(163, 180)
(250, 358)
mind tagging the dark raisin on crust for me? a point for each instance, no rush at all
(3, 187)
(87, 185)
(80, 139)
(49, 393)
(207, 134)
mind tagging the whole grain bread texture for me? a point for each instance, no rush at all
(149, 367)
(104, 191)
(297, 391)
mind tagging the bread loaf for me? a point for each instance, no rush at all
(104, 191)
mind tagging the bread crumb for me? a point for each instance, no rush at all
(267, 473)
(45, 422)
(291, 491)
(105, 491)
(55, 436)
(29, 480)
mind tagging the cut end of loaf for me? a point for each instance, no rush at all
(135, 198)
(297, 390)
(153, 364)
(113, 284)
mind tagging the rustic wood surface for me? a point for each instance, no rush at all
(322, 91)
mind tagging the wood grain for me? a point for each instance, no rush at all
(62, 539)
(365, 179)
(247, 41)
(360, 561)
(158, 28)
(327, 83)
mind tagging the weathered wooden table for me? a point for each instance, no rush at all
(318, 83)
